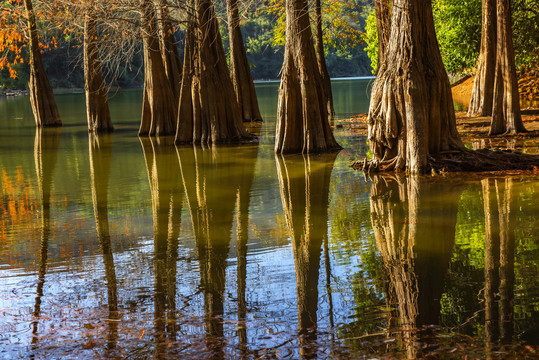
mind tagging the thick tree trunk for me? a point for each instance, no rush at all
(407, 213)
(506, 117)
(483, 86)
(304, 188)
(169, 50)
(302, 117)
(240, 71)
(382, 10)
(100, 149)
(321, 58)
(97, 107)
(209, 112)
(41, 95)
(411, 113)
(159, 109)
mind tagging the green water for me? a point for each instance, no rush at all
(116, 247)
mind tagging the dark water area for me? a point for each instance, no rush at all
(120, 247)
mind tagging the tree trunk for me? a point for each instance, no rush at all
(100, 149)
(304, 188)
(97, 107)
(411, 113)
(209, 112)
(302, 117)
(382, 10)
(159, 109)
(41, 95)
(321, 58)
(506, 117)
(483, 86)
(169, 50)
(240, 71)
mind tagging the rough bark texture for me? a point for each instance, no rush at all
(45, 156)
(159, 109)
(411, 113)
(209, 112)
(167, 199)
(483, 86)
(41, 95)
(302, 117)
(169, 50)
(382, 10)
(100, 149)
(97, 107)
(506, 117)
(304, 185)
(240, 71)
(321, 58)
(407, 213)
(212, 180)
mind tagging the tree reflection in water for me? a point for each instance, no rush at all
(304, 184)
(217, 180)
(100, 149)
(414, 222)
(45, 156)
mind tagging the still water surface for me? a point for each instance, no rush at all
(117, 247)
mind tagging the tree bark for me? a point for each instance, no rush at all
(100, 149)
(41, 95)
(240, 71)
(304, 188)
(97, 107)
(483, 86)
(159, 109)
(321, 58)
(302, 117)
(411, 113)
(209, 112)
(506, 116)
(169, 50)
(382, 10)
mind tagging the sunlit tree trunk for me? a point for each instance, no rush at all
(159, 109)
(45, 155)
(169, 50)
(41, 95)
(304, 185)
(302, 117)
(209, 112)
(321, 58)
(100, 149)
(382, 11)
(483, 86)
(411, 113)
(240, 71)
(97, 107)
(167, 198)
(506, 116)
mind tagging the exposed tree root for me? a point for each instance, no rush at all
(482, 160)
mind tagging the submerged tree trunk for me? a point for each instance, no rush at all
(97, 106)
(41, 95)
(411, 113)
(159, 107)
(209, 112)
(239, 67)
(321, 58)
(169, 50)
(302, 117)
(382, 11)
(304, 185)
(483, 86)
(506, 117)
